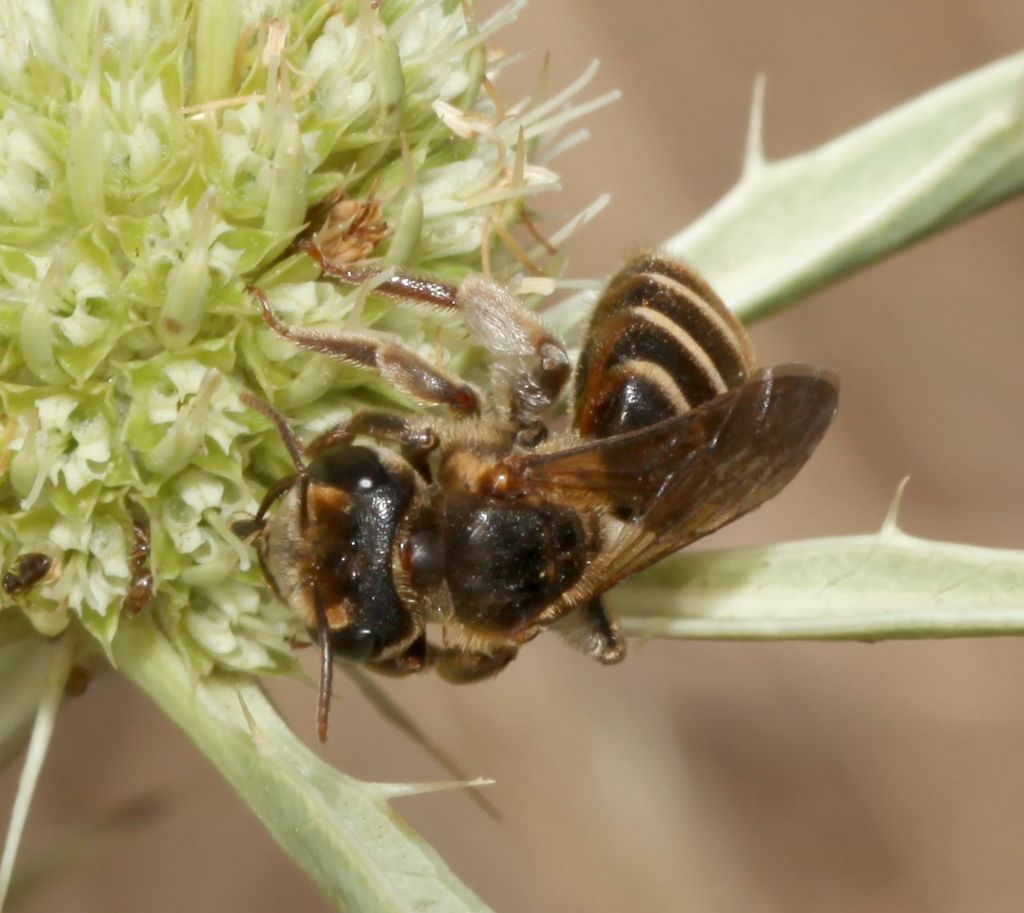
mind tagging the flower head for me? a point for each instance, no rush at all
(156, 158)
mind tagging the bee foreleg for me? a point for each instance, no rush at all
(417, 440)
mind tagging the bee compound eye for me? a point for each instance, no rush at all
(354, 644)
(357, 470)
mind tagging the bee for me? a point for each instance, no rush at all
(493, 526)
(28, 571)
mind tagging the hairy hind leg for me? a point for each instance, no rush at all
(530, 364)
(401, 366)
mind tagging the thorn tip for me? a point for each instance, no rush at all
(890, 525)
(753, 158)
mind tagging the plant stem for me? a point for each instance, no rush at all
(38, 745)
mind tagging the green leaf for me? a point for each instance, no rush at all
(787, 228)
(887, 585)
(790, 226)
(340, 830)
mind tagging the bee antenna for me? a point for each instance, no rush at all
(270, 497)
(283, 429)
(291, 443)
(323, 707)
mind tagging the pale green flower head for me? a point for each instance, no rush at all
(156, 158)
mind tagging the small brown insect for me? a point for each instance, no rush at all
(486, 524)
(140, 584)
(27, 571)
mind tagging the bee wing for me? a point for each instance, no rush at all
(681, 479)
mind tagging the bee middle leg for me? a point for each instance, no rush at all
(609, 644)
(416, 439)
(592, 631)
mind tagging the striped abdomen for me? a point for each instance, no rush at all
(659, 343)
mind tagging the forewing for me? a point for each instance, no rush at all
(683, 478)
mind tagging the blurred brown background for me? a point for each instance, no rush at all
(703, 777)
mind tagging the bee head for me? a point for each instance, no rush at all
(329, 551)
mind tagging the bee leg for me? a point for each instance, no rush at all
(413, 660)
(397, 284)
(592, 631)
(400, 366)
(609, 646)
(531, 434)
(531, 366)
(463, 666)
(417, 440)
